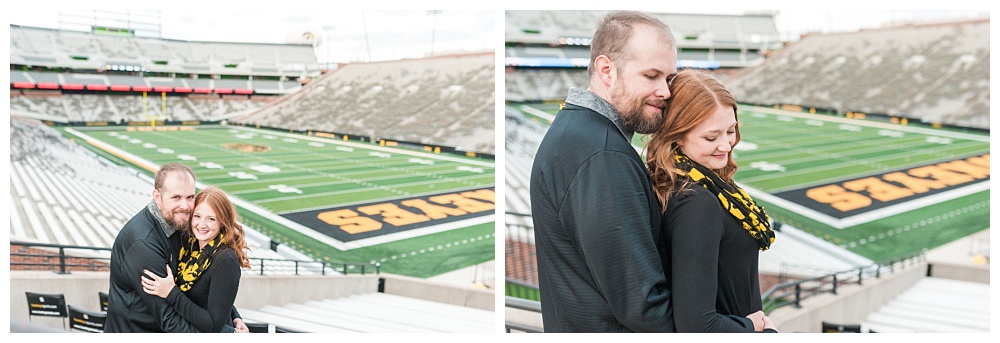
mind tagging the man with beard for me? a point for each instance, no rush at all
(596, 216)
(151, 241)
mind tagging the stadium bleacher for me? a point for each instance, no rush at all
(374, 312)
(397, 100)
(934, 73)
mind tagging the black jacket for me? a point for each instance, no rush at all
(597, 226)
(142, 244)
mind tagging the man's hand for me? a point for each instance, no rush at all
(240, 326)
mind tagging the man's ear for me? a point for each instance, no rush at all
(156, 195)
(605, 70)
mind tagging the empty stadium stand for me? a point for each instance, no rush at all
(86, 51)
(374, 312)
(446, 100)
(933, 73)
(934, 305)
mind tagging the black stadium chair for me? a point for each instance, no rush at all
(257, 327)
(841, 328)
(46, 305)
(84, 320)
(103, 298)
(278, 329)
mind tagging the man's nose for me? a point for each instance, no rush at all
(662, 90)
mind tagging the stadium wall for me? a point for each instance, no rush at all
(852, 303)
(879, 117)
(80, 290)
(430, 148)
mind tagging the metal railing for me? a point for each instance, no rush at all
(522, 304)
(54, 257)
(794, 292)
(785, 294)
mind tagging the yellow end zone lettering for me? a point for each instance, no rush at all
(900, 185)
(409, 213)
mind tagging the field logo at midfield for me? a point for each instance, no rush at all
(355, 222)
(901, 190)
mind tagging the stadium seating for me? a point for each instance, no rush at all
(46, 305)
(373, 312)
(446, 100)
(258, 327)
(841, 328)
(935, 305)
(88, 321)
(102, 298)
(87, 51)
(935, 73)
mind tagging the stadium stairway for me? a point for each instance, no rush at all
(946, 301)
(373, 312)
(935, 305)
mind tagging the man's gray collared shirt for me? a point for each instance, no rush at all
(587, 99)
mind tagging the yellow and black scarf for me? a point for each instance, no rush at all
(734, 200)
(192, 263)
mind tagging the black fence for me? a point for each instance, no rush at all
(786, 294)
(794, 292)
(63, 259)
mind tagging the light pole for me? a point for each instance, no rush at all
(328, 33)
(434, 14)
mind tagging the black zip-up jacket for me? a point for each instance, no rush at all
(143, 244)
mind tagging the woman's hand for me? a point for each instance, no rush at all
(153, 284)
(768, 324)
(758, 319)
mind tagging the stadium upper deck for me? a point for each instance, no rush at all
(73, 60)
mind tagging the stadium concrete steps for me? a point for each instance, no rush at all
(935, 305)
(795, 249)
(374, 312)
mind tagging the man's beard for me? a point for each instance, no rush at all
(633, 112)
(174, 222)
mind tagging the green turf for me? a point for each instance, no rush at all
(326, 174)
(816, 150)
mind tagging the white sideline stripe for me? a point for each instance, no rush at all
(538, 112)
(862, 218)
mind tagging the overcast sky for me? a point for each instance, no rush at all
(344, 36)
(361, 35)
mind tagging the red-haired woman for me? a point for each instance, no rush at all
(714, 230)
(208, 270)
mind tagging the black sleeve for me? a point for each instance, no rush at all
(608, 205)
(695, 228)
(146, 256)
(224, 283)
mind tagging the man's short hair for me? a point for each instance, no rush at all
(168, 168)
(615, 31)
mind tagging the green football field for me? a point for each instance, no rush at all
(797, 165)
(278, 175)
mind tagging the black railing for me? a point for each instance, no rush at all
(98, 259)
(522, 304)
(785, 294)
(794, 292)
